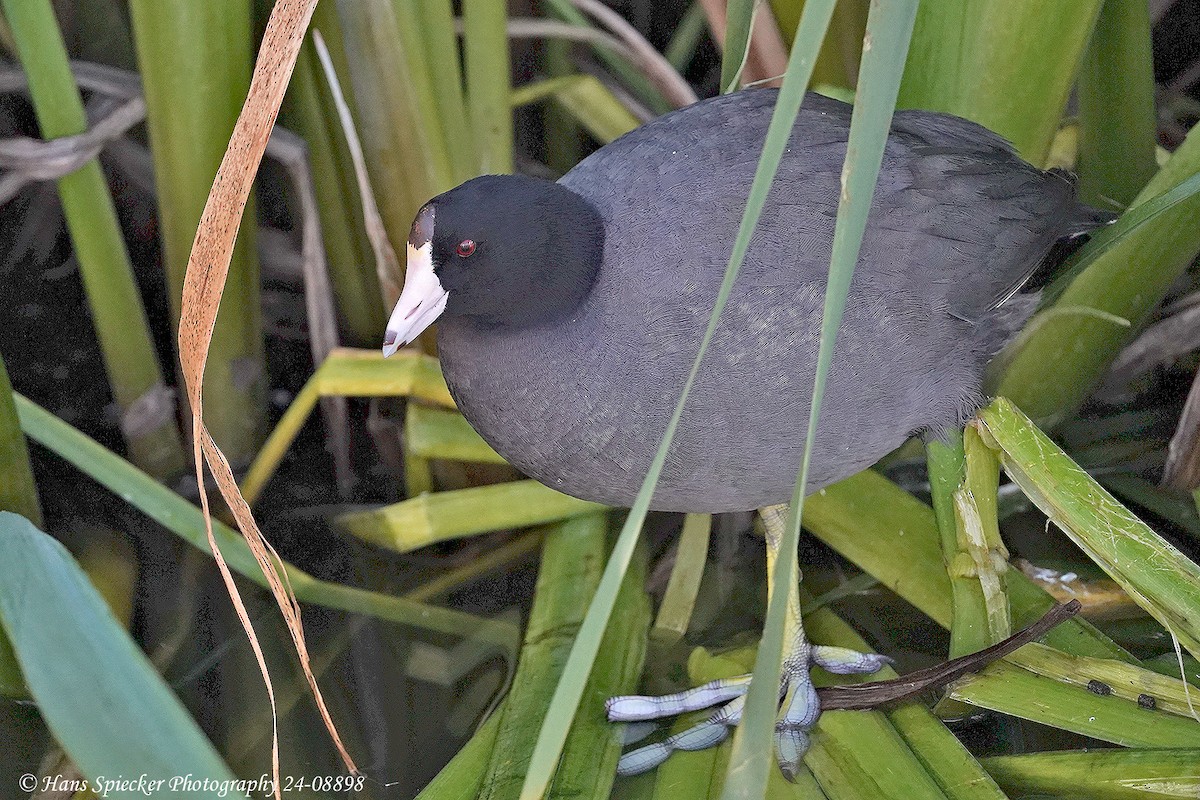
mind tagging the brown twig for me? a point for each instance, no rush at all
(652, 63)
(1182, 470)
(870, 695)
(1171, 337)
(767, 56)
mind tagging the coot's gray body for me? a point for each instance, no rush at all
(580, 401)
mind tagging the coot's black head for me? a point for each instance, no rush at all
(500, 250)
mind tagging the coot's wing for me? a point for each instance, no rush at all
(955, 208)
(987, 220)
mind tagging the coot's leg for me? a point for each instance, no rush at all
(799, 703)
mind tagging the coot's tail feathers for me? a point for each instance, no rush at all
(1088, 219)
(1077, 229)
(1084, 219)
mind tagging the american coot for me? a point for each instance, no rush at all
(570, 314)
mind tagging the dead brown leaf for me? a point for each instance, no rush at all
(208, 267)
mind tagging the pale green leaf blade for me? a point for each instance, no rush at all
(185, 520)
(889, 28)
(569, 690)
(739, 20)
(87, 675)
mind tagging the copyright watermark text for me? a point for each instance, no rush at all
(151, 786)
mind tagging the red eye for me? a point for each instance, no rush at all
(465, 248)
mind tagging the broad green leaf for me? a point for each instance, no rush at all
(596, 108)
(1117, 121)
(1125, 680)
(1108, 774)
(1052, 367)
(1158, 577)
(688, 34)
(1006, 64)
(96, 690)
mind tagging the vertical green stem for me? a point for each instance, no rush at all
(488, 82)
(947, 473)
(1116, 107)
(979, 532)
(963, 475)
(117, 312)
(947, 469)
(572, 560)
(968, 629)
(194, 58)
(562, 131)
(1006, 64)
(395, 108)
(19, 495)
(442, 57)
(739, 17)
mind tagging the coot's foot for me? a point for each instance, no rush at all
(799, 708)
(798, 700)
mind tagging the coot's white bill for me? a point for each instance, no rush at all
(422, 301)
